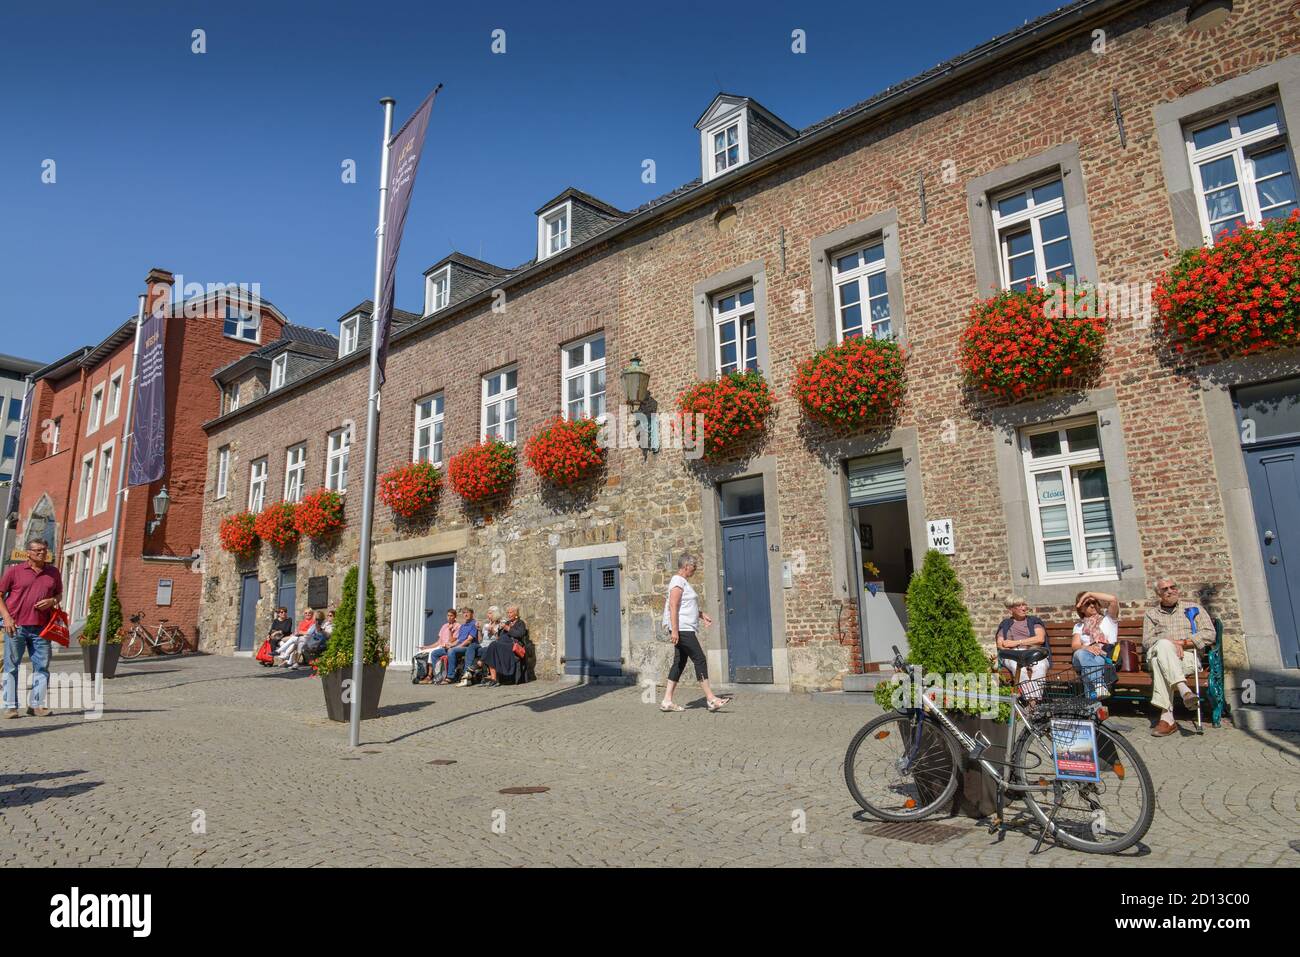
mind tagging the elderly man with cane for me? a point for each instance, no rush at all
(1173, 631)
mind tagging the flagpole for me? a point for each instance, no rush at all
(20, 458)
(372, 427)
(125, 460)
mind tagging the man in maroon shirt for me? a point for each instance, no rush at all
(29, 593)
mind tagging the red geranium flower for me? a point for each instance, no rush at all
(735, 408)
(237, 535)
(410, 489)
(852, 385)
(319, 514)
(275, 525)
(482, 471)
(565, 451)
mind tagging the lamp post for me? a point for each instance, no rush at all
(161, 502)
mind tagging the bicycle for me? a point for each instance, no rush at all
(168, 641)
(908, 761)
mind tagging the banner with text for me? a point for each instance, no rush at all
(149, 423)
(20, 456)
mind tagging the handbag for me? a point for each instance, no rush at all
(56, 629)
(520, 651)
(1125, 656)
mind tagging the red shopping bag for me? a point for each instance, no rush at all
(57, 629)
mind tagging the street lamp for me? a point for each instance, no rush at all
(636, 383)
(161, 502)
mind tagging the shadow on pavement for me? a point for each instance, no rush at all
(24, 796)
(24, 777)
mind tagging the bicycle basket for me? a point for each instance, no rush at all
(1067, 694)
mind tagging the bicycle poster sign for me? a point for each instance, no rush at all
(1074, 749)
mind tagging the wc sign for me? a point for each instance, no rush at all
(939, 535)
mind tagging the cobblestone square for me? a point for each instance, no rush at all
(210, 761)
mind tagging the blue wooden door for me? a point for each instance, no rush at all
(1275, 488)
(592, 617)
(439, 595)
(746, 601)
(250, 591)
(287, 593)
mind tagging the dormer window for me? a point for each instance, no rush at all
(438, 291)
(726, 148)
(279, 369)
(553, 234)
(348, 330)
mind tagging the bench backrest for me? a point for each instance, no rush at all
(1061, 633)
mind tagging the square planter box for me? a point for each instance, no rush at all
(977, 793)
(90, 658)
(372, 683)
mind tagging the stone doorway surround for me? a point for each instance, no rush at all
(584, 553)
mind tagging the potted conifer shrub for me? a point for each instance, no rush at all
(941, 639)
(89, 639)
(334, 666)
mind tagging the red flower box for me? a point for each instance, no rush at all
(484, 471)
(319, 514)
(566, 451)
(237, 534)
(1021, 344)
(275, 525)
(1240, 296)
(851, 386)
(735, 407)
(410, 489)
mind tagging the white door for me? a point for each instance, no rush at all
(406, 630)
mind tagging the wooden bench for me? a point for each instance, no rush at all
(1129, 685)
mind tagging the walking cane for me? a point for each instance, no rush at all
(1191, 620)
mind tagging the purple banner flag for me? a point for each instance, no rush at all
(149, 419)
(403, 161)
(20, 457)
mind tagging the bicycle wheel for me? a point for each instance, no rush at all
(901, 767)
(133, 647)
(1103, 817)
(170, 642)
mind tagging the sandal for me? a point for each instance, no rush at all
(717, 704)
(663, 706)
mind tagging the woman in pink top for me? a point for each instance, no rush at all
(439, 649)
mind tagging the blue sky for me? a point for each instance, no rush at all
(226, 166)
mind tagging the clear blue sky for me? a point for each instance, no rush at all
(226, 166)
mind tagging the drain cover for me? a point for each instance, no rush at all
(532, 789)
(915, 832)
(442, 761)
(372, 752)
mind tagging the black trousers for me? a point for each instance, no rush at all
(688, 647)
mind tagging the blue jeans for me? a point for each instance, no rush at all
(470, 651)
(1087, 663)
(38, 649)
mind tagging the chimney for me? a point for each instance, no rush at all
(158, 294)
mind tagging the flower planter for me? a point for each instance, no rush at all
(977, 793)
(852, 386)
(483, 472)
(372, 684)
(410, 490)
(319, 515)
(276, 526)
(90, 658)
(566, 451)
(735, 409)
(238, 535)
(1020, 345)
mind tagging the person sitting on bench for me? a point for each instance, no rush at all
(1095, 635)
(1022, 646)
(281, 628)
(446, 638)
(1173, 631)
(466, 644)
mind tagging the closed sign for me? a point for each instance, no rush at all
(939, 536)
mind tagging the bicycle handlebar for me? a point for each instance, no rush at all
(899, 663)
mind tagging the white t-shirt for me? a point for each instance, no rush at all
(1109, 629)
(688, 614)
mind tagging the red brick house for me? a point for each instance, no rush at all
(74, 454)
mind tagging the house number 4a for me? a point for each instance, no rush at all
(774, 548)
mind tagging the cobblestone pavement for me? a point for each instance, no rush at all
(251, 750)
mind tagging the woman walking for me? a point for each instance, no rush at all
(682, 618)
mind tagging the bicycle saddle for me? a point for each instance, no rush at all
(1025, 656)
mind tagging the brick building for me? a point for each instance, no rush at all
(73, 454)
(1085, 141)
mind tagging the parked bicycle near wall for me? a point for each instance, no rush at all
(1082, 781)
(168, 641)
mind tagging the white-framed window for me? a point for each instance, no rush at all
(257, 485)
(295, 472)
(500, 404)
(232, 398)
(438, 291)
(735, 331)
(583, 376)
(85, 485)
(1033, 235)
(104, 481)
(96, 409)
(223, 471)
(241, 323)
(279, 370)
(553, 230)
(1069, 501)
(54, 435)
(861, 292)
(428, 430)
(114, 406)
(1242, 168)
(336, 460)
(724, 146)
(349, 335)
